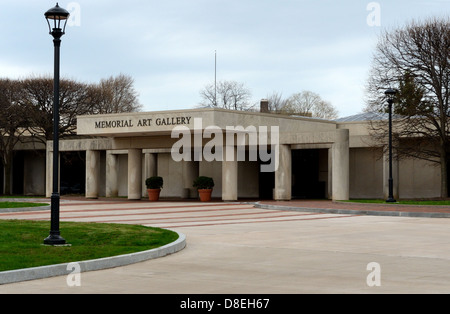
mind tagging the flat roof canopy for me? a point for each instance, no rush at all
(163, 122)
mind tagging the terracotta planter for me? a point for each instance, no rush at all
(153, 194)
(205, 194)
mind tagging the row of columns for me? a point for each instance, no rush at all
(136, 173)
(135, 178)
(283, 175)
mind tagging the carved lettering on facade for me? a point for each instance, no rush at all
(144, 122)
(113, 124)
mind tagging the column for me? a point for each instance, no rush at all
(150, 169)
(341, 166)
(112, 183)
(134, 174)
(283, 175)
(230, 175)
(92, 173)
(49, 174)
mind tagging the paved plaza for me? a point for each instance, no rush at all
(239, 248)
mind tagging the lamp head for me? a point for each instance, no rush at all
(57, 14)
(390, 94)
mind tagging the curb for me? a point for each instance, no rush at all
(25, 209)
(65, 269)
(356, 211)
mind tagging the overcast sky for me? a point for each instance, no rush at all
(168, 47)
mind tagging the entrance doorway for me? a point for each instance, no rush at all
(309, 173)
(266, 185)
(73, 173)
(18, 173)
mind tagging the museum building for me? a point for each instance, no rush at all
(250, 155)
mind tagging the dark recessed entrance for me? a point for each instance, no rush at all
(309, 173)
(73, 173)
(18, 173)
(266, 185)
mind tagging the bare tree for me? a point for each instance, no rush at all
(26, 108)
(277, 103)
(114, 95)
(226, 94)
(37, 96)
(311, 104)
(13, 118)
(416, 60)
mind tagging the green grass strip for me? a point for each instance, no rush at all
(21, 242)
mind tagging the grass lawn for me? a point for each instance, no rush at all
(20, 204)
(20, 196)
(405, 202)
(21, 242)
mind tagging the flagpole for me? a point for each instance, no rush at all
(215, 78)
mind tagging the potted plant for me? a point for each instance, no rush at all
(154, 185)
(204, 186)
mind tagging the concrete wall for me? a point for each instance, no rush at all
(419, 178)
(172, 174)
(34, 173)
(366, 173)
(212, 169)
(416, 178)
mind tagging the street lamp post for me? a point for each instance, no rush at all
(56, 15)
(390, 94)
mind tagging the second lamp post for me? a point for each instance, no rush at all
(390, 94)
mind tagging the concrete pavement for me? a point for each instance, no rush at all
(238, 248)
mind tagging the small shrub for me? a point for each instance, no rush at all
(204, 183)
(154, 182)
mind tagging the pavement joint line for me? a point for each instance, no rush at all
(259, 221)
(42, 272)
(117, 209)
(211, 217)
(45, 208)
(63, 216)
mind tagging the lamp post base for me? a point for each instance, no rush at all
(391, 200)
(54, 239)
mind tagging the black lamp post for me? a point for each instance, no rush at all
(390, 94)
(57, 15)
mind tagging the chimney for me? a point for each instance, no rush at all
(264, 106)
